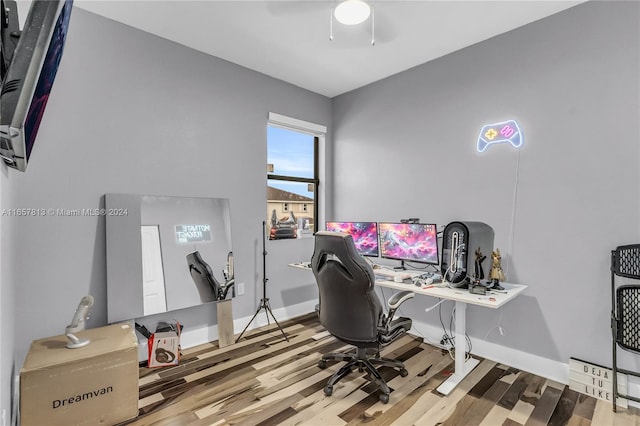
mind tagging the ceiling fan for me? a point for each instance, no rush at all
(346, 16)
(353, 12)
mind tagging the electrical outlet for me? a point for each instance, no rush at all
(240, 289)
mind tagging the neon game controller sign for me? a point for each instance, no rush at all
(503, 132)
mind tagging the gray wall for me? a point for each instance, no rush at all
(133, 113)
(406, 147)
(7, 301)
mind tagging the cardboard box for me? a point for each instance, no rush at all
(95, 384)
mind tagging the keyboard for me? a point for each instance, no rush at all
(390, 275)
(427, 278)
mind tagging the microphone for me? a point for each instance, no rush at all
(78, 323)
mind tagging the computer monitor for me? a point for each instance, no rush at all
(365, 235)
(413, 242)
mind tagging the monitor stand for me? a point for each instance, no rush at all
(401, 267)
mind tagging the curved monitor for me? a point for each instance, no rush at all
(413, 242)
(365, 235)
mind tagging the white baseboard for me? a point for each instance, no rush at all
(535, 364)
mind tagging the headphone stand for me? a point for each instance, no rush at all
(264, 302)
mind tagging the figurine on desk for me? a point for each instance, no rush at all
(496, 275)
(476, 286)
(479, 272)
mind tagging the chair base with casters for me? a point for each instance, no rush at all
(366, 357)
(625, 312)
(361, 360)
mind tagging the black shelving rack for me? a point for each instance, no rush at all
(625, 310)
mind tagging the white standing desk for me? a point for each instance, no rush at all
(462, 298)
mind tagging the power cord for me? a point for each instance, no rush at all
(420, 334)
(514, 205)
(498, 326)
(449, 337)
(513, 211)
(408, 265)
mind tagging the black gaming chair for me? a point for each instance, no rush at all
(202, 274)
(351, 311)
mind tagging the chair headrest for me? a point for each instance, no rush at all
(196, 262)
(338, 246)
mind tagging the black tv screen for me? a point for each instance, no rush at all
(28, 81)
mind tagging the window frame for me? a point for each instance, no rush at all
(318, 132)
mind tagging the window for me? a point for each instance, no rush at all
(292, 177)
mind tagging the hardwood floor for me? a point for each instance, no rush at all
(264, 380)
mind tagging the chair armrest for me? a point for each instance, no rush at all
(394, 303)
(399, 298)
(224, 289)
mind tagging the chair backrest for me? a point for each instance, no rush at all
(349, 307)
(202, 274)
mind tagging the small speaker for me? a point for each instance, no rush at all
(460, 240)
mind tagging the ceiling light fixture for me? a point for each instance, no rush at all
(352, 12)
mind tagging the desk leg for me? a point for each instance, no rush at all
(462, 366)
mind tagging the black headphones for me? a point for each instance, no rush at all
(164, 356)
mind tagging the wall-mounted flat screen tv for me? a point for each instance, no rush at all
(29, 78)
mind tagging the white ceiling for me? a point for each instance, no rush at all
(289, 40)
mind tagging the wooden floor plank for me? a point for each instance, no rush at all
(604, 415)
(447, 406)
(578, 421)
(496, 416)
(265, 380)
(512, 396)
(544, 408)
(487, 382)
(521, 412)
(410, 406)
(564, 408)
(585, 406)
(403, 386)
(313, 405)
(479, 408)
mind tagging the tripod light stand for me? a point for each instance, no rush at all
(264, 302)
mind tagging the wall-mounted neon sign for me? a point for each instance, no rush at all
(503, 132)
(193, 233)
